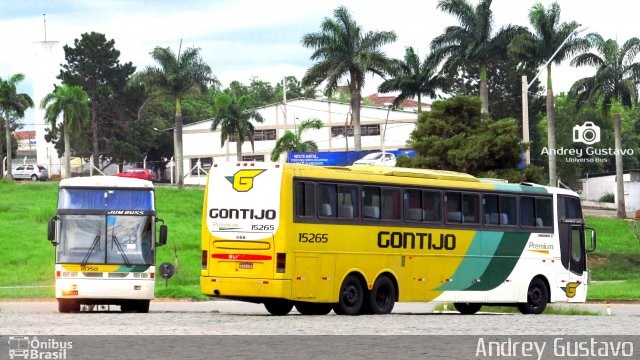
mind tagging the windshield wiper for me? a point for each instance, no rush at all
(114, 240)
(93, 247)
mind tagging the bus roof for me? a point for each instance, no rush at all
(409, 176)
(106, 181)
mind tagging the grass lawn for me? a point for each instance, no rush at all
(28, 258)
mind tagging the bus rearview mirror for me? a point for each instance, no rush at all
(163, 235)
(591, 233)
(51, 230)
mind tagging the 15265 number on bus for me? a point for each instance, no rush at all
(313, 238)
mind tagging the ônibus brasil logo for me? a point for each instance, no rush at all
(242, 181)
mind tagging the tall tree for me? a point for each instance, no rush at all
(178, 75)
(472, 42)
(234, 116)
(292, 141)
(343, 50)
(413, 79)
(616, 80)
(539, 46)
(73, 103)
(12, 103)
(93, 64)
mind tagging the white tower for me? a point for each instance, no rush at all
(48, 56)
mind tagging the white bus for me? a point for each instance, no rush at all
(104, 232)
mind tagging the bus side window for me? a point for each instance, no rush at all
(470, 208)
(508, 210)
(370, 202)
(432, 206)
(572, 208)
(327, 200)
(413, 205)
(305, 199)
(391, 204)
(490, 209)
(453, 208)
(347, 202)
(527, 211)
(544, 213)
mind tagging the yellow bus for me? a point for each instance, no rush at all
(358, 239)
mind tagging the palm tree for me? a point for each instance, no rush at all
(343, 50)
(73, 103)
(539, 46)
(178, 75)
(292, 142)
(472, 41)
(234, 116)
(12, 103)
(413, 79)
(615, 81)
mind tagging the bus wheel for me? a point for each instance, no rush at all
(351, 297)
(278, 307)
(142, 306)
(306, 308)
(383, 296)
(467, 308)
(537, 297)
(68, 306)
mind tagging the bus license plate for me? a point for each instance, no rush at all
(245, 265)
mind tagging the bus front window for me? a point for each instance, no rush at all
(129, 240)
(99, 239)
(81, 239)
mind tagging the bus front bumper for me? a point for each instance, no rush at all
(238, 287)
(80, 288)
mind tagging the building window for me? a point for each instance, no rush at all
(367, 130)
(253, 158)
(258, 135)
(205, 163)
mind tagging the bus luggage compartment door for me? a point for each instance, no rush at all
(242, 258)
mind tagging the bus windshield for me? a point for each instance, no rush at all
(105, 239)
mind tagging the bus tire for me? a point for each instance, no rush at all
(537, 298)
(306, 308)
(351, 296)
(383, 296)
(142, 306)
(68, 306)
(467, 308)
(278, 307)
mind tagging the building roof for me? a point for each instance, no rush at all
(25, 134)
(380, 100)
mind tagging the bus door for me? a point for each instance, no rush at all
(571, 233)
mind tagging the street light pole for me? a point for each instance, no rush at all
(525, 105)
(384, 134)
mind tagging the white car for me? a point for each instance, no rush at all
(33, 172)
(378, 159)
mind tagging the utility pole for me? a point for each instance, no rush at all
(525, 118)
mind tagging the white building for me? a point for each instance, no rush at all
(595, 186)
(202, 144)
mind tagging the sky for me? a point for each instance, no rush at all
(245, 38)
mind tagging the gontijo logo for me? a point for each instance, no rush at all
(242, 181)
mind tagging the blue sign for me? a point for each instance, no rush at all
(338, 158)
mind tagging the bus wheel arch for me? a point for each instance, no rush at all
(384, 294)
(352, 295)
(537, 297)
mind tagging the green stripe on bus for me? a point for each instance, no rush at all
(504, 260)
(132, 268)
(476, 260)
(521, 188)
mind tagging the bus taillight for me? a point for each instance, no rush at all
(205, 255)
(281, 262)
